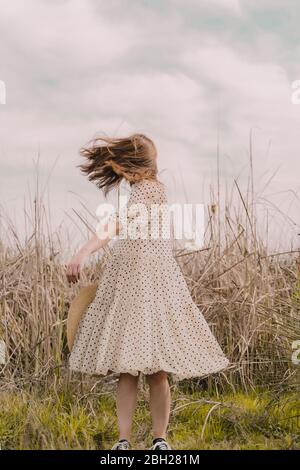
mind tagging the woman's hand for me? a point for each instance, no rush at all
(74, 267)
(76, 263)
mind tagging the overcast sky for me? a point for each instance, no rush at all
(177, 70)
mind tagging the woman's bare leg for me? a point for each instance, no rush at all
(160, 402)
(126, 403)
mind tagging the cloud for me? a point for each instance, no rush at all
(176, 70)
(232, 6)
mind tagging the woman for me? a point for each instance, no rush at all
(143, 319)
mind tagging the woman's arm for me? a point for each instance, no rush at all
(94, 244)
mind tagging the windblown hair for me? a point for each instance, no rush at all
(109, 160)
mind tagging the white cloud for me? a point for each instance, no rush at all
(73, 68)
(231, 5)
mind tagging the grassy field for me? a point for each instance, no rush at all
(199, 420)
(249, 295)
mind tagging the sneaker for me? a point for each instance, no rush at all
(160, 444)
(123, 444)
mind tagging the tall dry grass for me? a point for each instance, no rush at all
(249, 296)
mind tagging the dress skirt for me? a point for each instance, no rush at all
(143, 318)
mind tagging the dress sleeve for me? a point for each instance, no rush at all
(107, 226)
(116, 220)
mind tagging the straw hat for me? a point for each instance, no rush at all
(77, 308)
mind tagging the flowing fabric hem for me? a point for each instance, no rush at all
(147, 371)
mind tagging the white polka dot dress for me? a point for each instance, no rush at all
(143, 318)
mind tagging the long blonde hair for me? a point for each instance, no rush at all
(109, 160)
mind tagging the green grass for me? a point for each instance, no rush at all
(198, 421)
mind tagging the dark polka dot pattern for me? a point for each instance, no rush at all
(143, 318)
